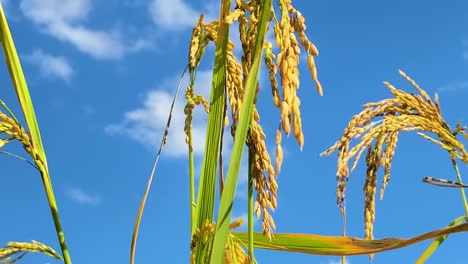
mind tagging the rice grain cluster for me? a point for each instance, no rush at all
(377, 128)
(234, 253)
(7, 253)
(290, 36)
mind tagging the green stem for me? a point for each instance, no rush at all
(192, 167)
(55, 215)
(457, 172)
(192, 184)
(437, 242)
(250, 213)
(9, 111)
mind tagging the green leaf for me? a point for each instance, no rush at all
(245, 116)
(339, 245)
(207, 185)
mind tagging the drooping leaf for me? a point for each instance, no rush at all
(339, 245)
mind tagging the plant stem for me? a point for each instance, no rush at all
(457, 172)
(192, 183)
(191, 168)
(250, 221)
(437, 242)
(55, 215)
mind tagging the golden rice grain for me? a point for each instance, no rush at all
(283, 62)
(34, 246)
(381, 122)
(389, 152)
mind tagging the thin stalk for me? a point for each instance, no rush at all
(192, 183)
(437, 242)
(462, 191)
(250, 213)
(191, 167)
(221, 167)
(19, 157)
(343, 258)
(55, 215)
(141, 208)
(9, 111)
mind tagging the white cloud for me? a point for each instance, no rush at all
(62, 18)
(99, 44)
(338, 261)
(82, 197)
(454, 86)
(146, 124)
(50, 66)
(173, 14)
(177, 14)
(53, 11)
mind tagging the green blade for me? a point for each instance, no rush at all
(245, 116)
(206, 190)
(339, 245)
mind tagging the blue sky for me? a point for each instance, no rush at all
(102, 73)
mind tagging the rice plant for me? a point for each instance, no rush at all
(233, 106)
(30, 140)
(232, 103)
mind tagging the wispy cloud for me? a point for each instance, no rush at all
(63, 20)
(338, 261)
(50, 66)
(175, 14)
(82, 197)
(146, 123)
(465, 49)
(454, 86)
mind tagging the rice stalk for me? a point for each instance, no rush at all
(235, 75)
(141, 208)
(438, 242)
(34, 146)
(245, 117)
